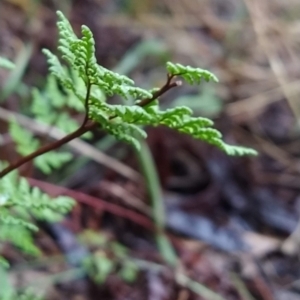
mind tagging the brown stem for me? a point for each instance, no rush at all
(85, 127)
(80, 131)
(167, 86)
(52, 146)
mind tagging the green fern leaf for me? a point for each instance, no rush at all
(124, 121)
(190, 74)
(19, 203)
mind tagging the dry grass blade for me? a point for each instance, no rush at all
(278, 154)
(253, 105)
(262, 26)
(124, 195)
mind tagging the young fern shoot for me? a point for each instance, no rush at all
(122, 121)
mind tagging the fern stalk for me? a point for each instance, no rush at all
(52, 146)
(80, 131)
(152, 180)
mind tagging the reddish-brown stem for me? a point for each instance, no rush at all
(80, 131)
(85, 127)
(167, 86)
(52, 146)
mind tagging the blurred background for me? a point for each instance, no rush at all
(233, 222)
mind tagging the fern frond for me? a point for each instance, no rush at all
(190, 74)
(237, 150)
(52, 160)
(56, 68)
(19, 193)
(19, 203)
(80, 55)
(24, 139)
(124, 121)
(6, 219)
(54, 98)
(20, 237)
